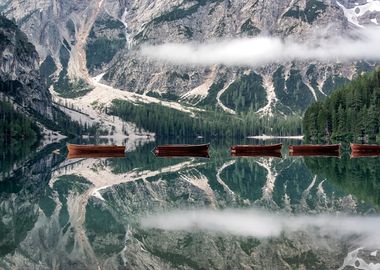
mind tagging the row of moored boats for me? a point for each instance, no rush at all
(201, 150)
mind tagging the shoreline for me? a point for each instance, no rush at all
(267, 137)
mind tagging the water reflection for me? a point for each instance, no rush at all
(86, 213)
(263, 224)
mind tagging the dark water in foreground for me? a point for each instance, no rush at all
(143, 212)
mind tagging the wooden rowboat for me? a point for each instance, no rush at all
(181, 148)
(314, 148)
(77, 149)
(256, 148)
(373, 148)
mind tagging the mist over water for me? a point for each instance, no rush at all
(261, 224)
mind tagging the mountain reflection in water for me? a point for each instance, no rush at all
(143, 212)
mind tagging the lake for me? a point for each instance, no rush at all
(222, 212)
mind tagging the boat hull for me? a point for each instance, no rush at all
(314, 148)
(368, 148)
(256, 148)
(76, 149)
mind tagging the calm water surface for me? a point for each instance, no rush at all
(143, 212)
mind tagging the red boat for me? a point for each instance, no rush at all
(315, 150)
(256, 148)
(181, 148)
(77, 149)
(372, 148)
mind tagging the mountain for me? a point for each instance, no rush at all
(28, 115)
(80, 39)
(19, 71)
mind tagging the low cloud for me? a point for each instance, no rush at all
(362, 44)
(261, 224)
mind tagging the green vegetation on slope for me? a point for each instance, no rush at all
(179, 13)
(22, 45)
(249, 29)
(292, 92)
(106, 38)
(65, 86)
(47, 69)
(352, 112)
(313, 9)
(14, 125)
(245, 93)
(170, 122)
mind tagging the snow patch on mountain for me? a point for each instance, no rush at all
(92, 108)
(220, 103)
(78, 116)
(268, 109)
(354, 261)
(107, 94)
(199, 93)
(321, 82)
(353, 14)
(124, 21)
(311, 90)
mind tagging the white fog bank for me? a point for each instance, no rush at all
(361, 44)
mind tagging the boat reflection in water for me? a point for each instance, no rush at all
(95, 155)
(247, 150)
(358, 154)
(365, 150)
(273, 154)
(309, 150)
(182, 150)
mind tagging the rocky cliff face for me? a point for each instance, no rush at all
(19, 71)
(80, 39)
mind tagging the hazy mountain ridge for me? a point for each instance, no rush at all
(63, 31)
